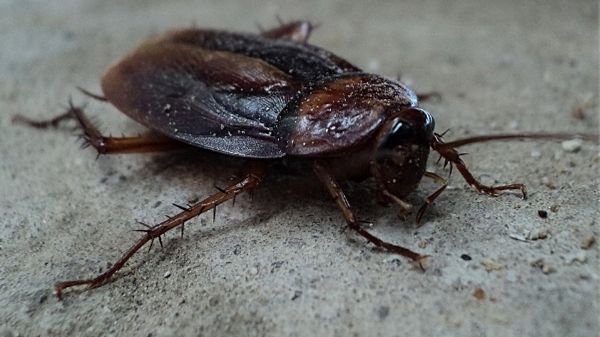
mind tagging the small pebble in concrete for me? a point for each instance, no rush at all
(588, 242)
(479, 294)
(491, 265)
(541, 264)
(547, 269)
(167, 274)
(572, 145)
(538, 234)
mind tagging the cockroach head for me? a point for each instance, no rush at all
(402, 150)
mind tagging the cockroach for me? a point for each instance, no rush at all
(266, 96)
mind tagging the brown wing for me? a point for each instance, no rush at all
(341, 113)
(218, 90)
(218, 100)
(305, 62)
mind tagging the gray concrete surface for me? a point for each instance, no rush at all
(280, 262)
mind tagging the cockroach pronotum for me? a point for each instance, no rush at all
(267, 96)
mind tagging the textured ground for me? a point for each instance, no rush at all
(280, 262)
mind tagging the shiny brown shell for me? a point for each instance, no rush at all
(251, 96)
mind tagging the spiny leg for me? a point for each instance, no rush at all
(297, 31)
(340, 198)
(92, 95)
(114, 145)
(447, 150)
(255, 175)
(102, 144)
(450, 154)
(43, 124)
(405, 207)
(429, 200)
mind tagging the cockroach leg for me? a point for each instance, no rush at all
(102, 144)
(297, 31)
(451, 155)
(405, 207)
(116, 145)
(255, 175)
(338, 195)
(92, 95)
(520, 136)
(429, 200)
(386, 196)
(43, 124)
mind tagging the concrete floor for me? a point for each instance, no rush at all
(280, 263)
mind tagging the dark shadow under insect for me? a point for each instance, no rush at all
(265, 97)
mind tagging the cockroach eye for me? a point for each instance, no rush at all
(411, 126)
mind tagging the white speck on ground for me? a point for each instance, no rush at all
(538, 234)
(491, 265)
(572, 145)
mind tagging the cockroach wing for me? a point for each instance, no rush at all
(218, 100)
(305, 62)
(340, 113)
